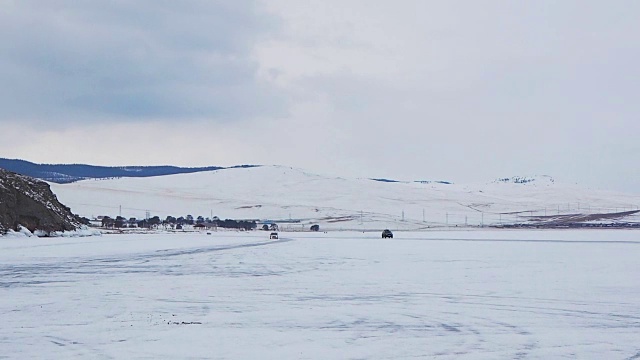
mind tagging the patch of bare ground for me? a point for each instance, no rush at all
(250, 207)
(582, 220)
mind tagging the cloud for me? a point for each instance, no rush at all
(75, 62)
(465, 90)
(456, 90)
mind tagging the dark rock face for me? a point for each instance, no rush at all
(29, 202)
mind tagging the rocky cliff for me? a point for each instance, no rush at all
(29, 202)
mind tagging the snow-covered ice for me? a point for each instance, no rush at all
(337, 295)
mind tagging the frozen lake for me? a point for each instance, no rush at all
(443, 295)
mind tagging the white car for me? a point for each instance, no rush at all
(274, 235)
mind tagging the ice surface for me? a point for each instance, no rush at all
(345, 295)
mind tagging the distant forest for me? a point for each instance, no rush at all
(174, 223)
(68, 173)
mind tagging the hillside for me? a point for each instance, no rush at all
(298, 198)
(67, 173)
(30, 203)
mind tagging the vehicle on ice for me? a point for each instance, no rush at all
(386, 233)
(274, 235)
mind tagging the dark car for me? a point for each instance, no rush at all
(386, 233)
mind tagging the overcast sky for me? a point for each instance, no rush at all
(465, 91)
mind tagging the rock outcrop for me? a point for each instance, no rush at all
(25, 201)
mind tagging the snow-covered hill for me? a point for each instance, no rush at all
(296, 198)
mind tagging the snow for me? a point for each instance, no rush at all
(24, 232)
(338, 295)
(282, 193)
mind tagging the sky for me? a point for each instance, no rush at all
(463, 91)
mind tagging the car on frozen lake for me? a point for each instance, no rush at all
(274, 235)
(386, 233)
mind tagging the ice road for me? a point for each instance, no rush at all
(427, 295)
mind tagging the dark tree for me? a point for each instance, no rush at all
(107, 222)
(120, 221)
(143, 224)
(237, 224)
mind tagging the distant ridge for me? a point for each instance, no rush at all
(526, 179)
(68, 173)
(417, 181)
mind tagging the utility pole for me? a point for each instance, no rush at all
(402, 215)
(447, 219)
(120, 211)
(423, 215)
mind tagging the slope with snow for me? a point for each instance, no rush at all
(282, 193)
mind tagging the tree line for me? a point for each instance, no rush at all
(177, 222)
